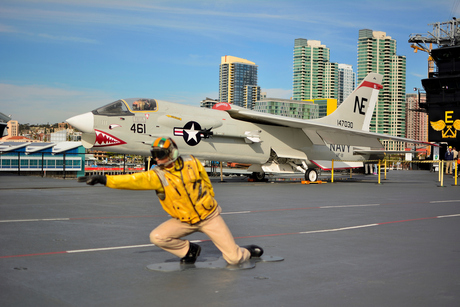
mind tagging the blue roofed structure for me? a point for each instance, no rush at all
(67, 158)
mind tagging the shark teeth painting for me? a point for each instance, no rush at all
(104, 139)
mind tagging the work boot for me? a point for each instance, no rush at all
(254, 250)
(193, 253)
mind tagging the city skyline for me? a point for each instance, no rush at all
(64, 58)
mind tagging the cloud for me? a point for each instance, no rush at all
(43, 104)
(205, 18)
(199, 8)
(7, 29)
(68, 38)
(189, 98)
(37, 104)
(421, 76)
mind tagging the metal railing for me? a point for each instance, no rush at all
(383, 163)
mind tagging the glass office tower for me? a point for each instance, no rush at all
(238, 82)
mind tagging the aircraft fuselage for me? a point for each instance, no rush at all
(206, 133)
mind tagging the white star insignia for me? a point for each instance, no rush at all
(192, 133)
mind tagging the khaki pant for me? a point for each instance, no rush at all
(167, 236)
(449, 166)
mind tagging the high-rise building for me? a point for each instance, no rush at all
(377, 53)
(13, 128)
(314, 75)
(416, 118)
(347, 82)
(238, 82)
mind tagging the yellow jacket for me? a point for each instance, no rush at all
(184, 190)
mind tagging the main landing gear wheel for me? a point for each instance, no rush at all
(258, 176)
(311, 175)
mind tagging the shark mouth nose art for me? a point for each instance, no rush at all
(103, 139)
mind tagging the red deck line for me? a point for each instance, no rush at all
(243, 237)
(30, 255)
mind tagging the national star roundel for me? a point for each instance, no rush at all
(190, 132)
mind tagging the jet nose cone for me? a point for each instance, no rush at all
(83, 122)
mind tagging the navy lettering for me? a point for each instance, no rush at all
(339, 148)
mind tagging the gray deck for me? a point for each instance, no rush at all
(345, 244)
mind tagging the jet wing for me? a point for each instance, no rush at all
(316, 131)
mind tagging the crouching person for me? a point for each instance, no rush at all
(186, 194)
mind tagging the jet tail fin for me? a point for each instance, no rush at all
(356, 111)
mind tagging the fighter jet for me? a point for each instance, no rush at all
(270, 143)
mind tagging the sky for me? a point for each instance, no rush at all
(60, 58)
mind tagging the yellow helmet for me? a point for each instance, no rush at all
(164, 147)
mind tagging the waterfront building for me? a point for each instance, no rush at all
(28, 158)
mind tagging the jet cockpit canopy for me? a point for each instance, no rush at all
(126, 107)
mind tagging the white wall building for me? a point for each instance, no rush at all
(347, 82)
(58, 137)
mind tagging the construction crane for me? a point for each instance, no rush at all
(430, 59)
(444, 34)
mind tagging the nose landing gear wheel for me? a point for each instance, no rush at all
(311, 175)
(258, 176)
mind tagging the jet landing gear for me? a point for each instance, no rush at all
(258, 176)
(311, 175)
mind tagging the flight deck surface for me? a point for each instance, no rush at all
(356, 243)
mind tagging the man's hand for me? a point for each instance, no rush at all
(92, 180)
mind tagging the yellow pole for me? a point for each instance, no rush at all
(379, 171)
(385, 169)
(332, 171)
(442, 173)
(455, 173)
(439, 170)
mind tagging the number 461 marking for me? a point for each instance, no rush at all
(138, 128)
